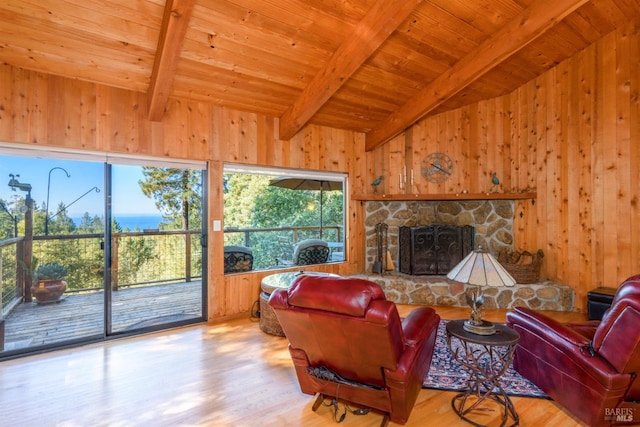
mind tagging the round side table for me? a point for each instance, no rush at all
(268, 320)
(487, 357)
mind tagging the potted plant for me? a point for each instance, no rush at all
(49, 285)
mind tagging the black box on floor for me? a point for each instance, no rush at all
(598, 301)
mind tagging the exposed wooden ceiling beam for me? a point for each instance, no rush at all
(524, 28)
(377, 25)
(175, 22)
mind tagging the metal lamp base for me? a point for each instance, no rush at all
(484, 328)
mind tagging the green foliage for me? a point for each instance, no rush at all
(89, 224)
(250, 203)
(51, 271)
(134, 253)
(177, 194)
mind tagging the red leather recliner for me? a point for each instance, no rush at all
(592, 368)
(347, 326)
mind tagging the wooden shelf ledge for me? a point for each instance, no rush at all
(445, 196)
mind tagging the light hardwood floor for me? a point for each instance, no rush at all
(226, 374)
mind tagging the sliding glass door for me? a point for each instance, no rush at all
(91, 248)
(156, 251)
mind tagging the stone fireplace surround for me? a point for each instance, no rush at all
(493, 222)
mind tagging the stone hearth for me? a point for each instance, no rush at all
(438, 290)
(493, 223)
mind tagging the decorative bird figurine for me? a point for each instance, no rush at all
(375, 184)
(475, 299)
(495, 182)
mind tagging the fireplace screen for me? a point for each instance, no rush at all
(433, 249)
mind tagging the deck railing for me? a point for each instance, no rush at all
(139, 258)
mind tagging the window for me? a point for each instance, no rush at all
(279, 215)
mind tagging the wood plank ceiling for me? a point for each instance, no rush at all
(374, 66)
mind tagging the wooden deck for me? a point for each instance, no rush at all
(82, 315)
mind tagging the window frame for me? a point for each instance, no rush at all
(274, 172)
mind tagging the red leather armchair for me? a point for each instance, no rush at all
(591, 369)
(348, 326)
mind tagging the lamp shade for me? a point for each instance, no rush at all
(482, 269)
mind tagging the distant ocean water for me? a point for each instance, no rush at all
(131, 221)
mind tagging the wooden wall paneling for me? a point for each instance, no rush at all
(518, 181)
(410, 161)
(358, 183)
(441, 145)
(109, 125)
(528, 143)
(103, 117)
(265, 141)
(422, 142)
(520, 167)
(56, 123)
(453, 143)
(505, 155)
(175, 128)
(228, 145)
(565, 162)
(483, 182)
(197, 130)
(537, 142)
(468, 155)
(500, 152)
(391, 176)
(218, 284)
(634, 142)
(570, 185)
(493, 130)
(463, 162)
(14, 119)
(34, 86)
(607, 221)
(433, 135)
(394, 156)
(294, 150)
(318, 149)
(623, 160)
(473, 154)
(133, 107)
(585, 93)
(241, 136)
(552, 171)
(375, 167)
(336, 151)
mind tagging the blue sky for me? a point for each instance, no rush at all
(84, 176)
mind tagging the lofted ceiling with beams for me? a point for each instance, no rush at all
(373, 66)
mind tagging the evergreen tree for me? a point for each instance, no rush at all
(177, 194)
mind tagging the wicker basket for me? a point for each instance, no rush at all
(523, 266)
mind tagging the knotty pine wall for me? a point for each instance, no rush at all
(573, 136)
(45, 110)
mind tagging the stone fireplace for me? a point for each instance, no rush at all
(492, 224)
(492, 221)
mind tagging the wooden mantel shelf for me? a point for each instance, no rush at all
(445, 196)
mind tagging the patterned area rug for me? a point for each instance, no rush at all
(447, 374)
